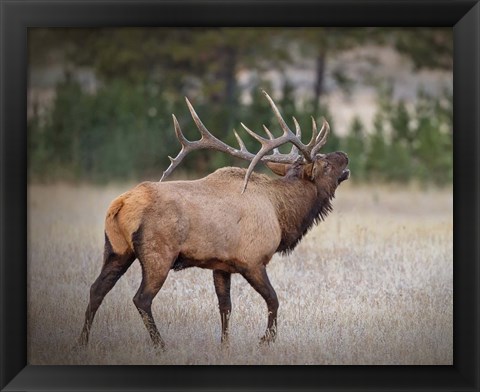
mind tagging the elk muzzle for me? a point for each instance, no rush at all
(339, 160)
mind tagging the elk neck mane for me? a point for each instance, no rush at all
(300, 205)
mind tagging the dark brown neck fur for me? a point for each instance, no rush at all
(300, 205)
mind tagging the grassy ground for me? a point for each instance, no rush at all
(370, 285)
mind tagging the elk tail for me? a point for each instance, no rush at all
(115, 241)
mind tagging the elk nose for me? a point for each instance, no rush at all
(344, 155)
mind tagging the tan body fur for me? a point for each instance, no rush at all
(221, 224)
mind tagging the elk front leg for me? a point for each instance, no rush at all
(258, 279)
(113, 268)
(221, 280)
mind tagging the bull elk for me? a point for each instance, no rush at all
(217, 222)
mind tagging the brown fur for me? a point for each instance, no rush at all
(209, 223)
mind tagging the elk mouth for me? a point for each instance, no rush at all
(344, 176)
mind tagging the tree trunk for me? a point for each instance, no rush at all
(224, 100)
(320, 75)
(230, 83)
(230, 79)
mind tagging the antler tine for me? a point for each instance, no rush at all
(321, 139)
(240, 142)
(286, 130)
(325, 128)
(298, 133)
(203, 130)
(178, 131)
(253, 134)
(187, 146)
(270, 135)
(313, 139)
(281, 121)
(298, 130)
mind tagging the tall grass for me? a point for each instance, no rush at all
(370, 285)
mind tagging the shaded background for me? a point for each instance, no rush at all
(100, 100)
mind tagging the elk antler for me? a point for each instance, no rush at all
(208, 141)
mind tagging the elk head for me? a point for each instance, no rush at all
(304, 160)
(327, 171)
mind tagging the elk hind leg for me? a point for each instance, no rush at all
(258, 279)
(221, 280)
(155, 268)
(114, 266)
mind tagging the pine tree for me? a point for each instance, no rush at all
(355, 147)
(375, 167)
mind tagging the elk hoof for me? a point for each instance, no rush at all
(162, 349)
(78, 346)
(159, 347)
(267, 339)
(81, 342)
(225, 342)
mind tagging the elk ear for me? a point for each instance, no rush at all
(278, 168)
(309, 171)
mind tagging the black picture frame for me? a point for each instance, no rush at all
(16, 16)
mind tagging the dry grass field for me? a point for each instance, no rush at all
(370, 285)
